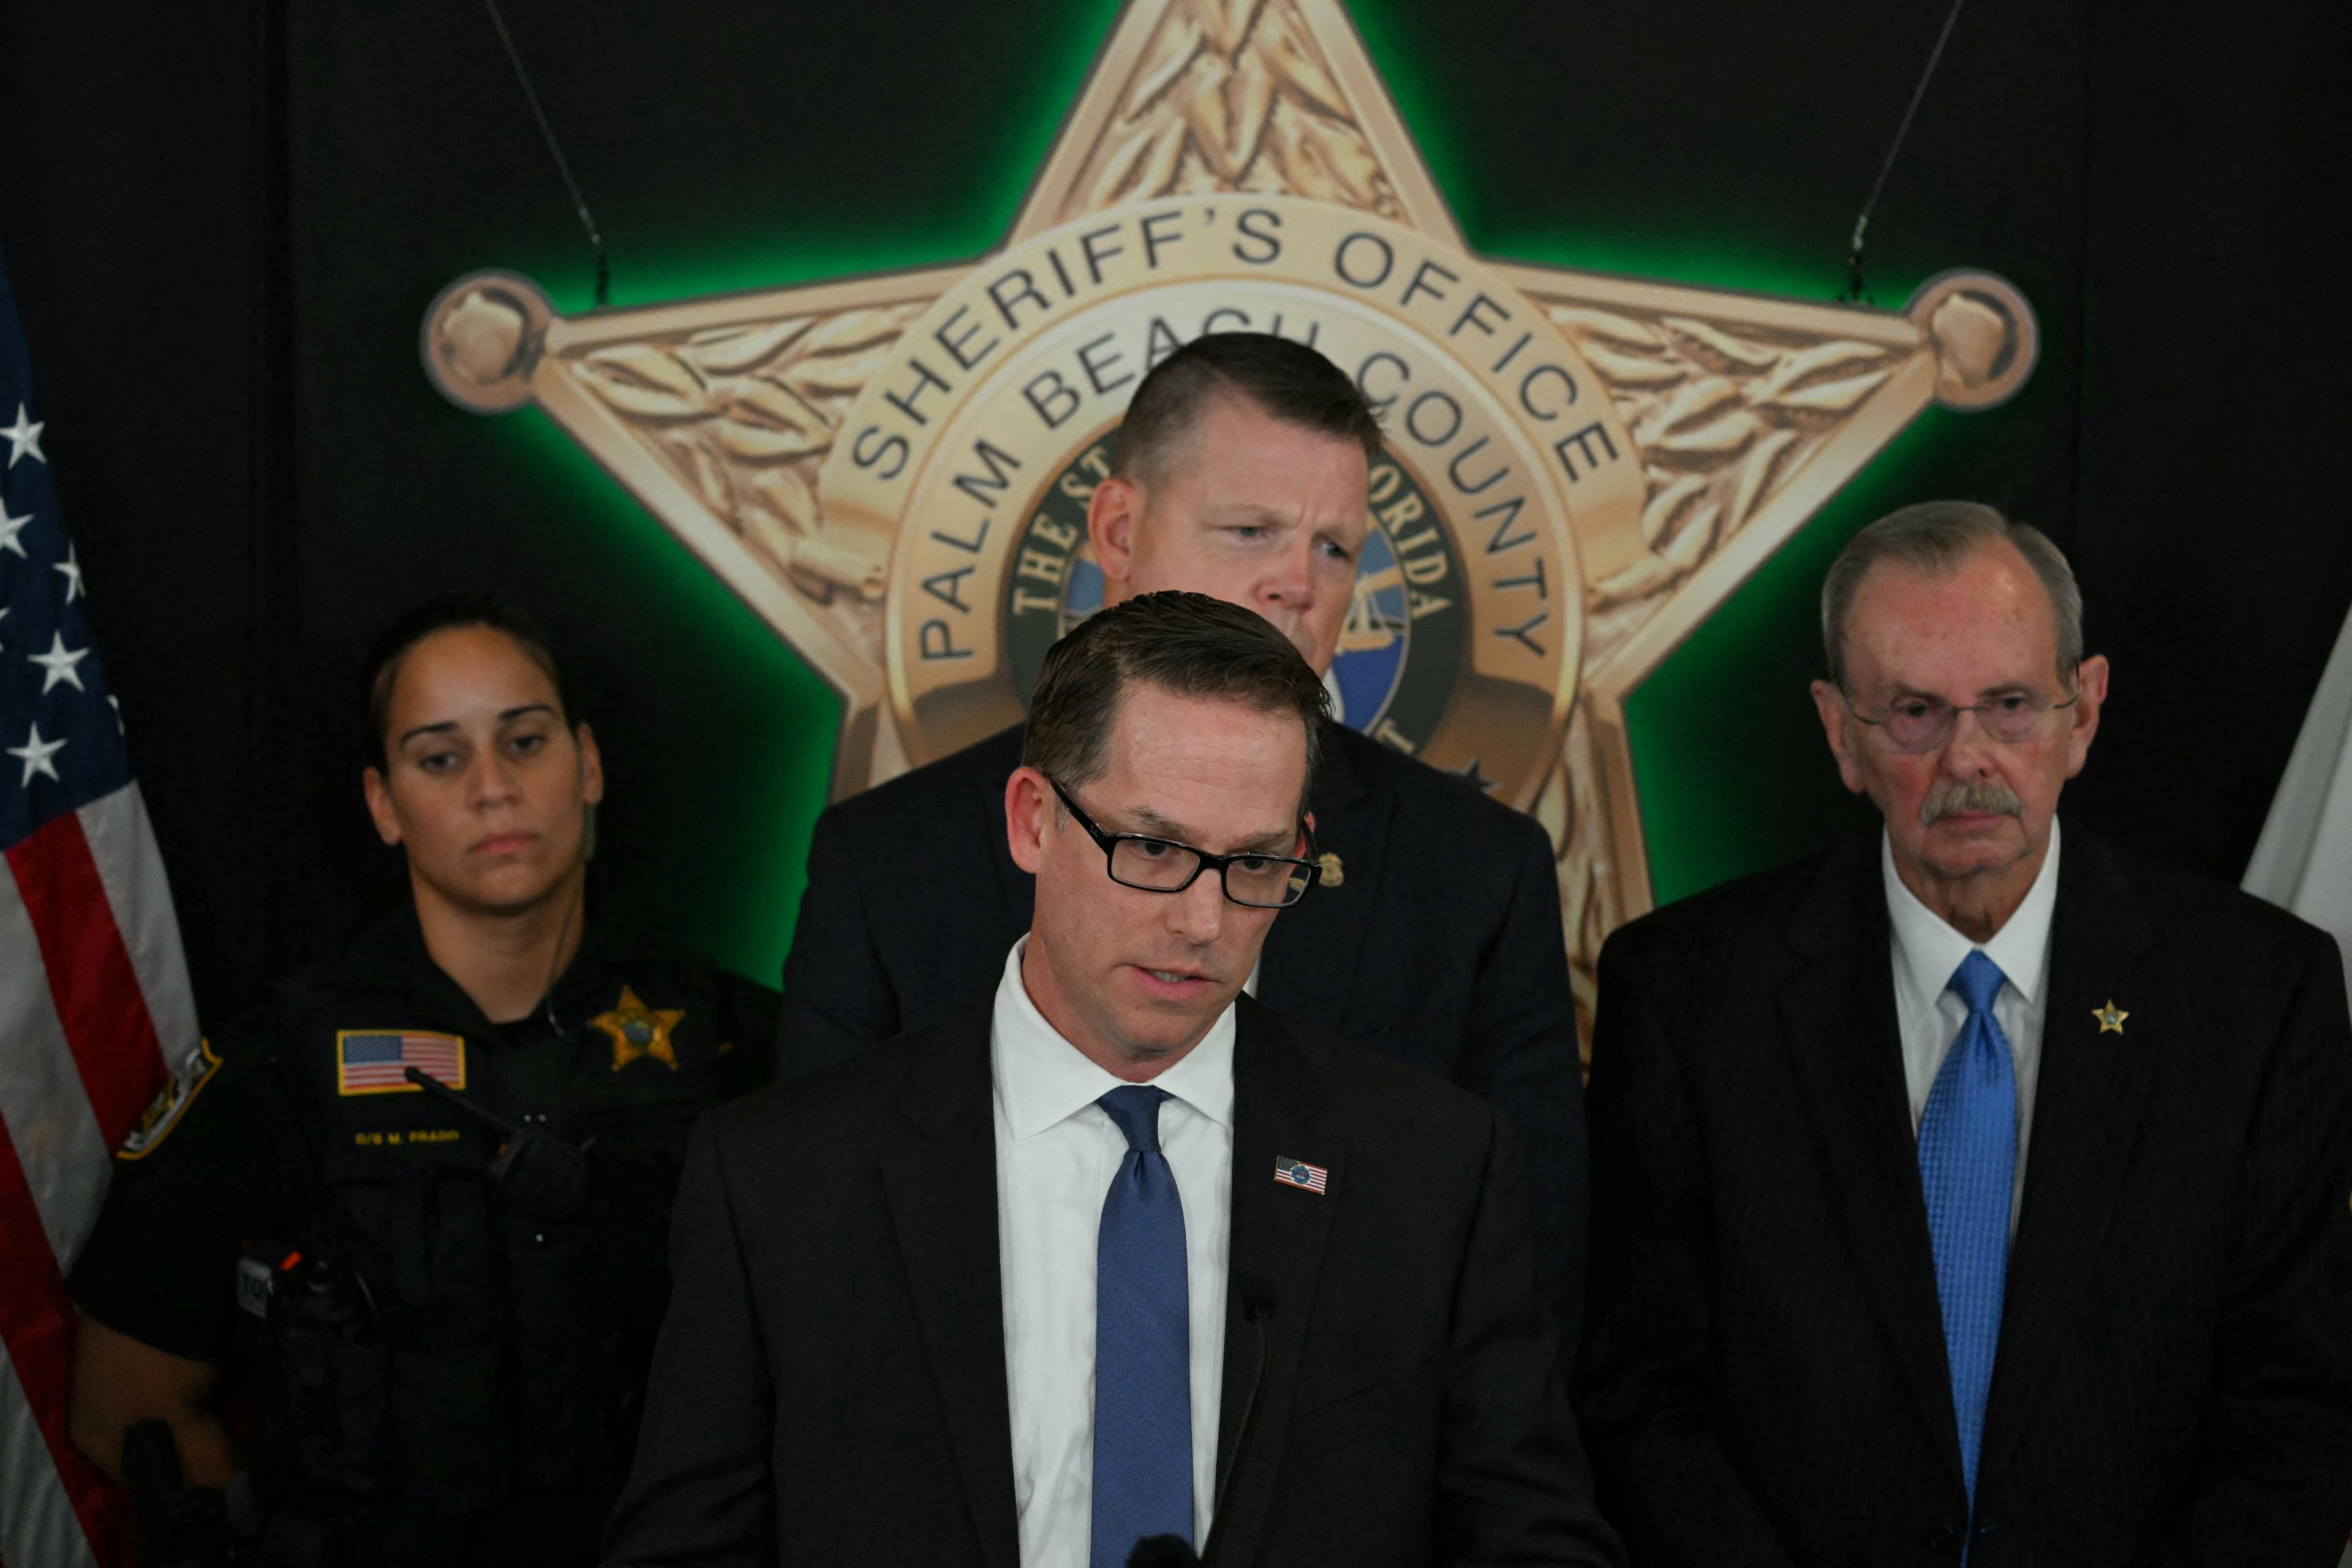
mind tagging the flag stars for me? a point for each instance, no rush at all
(10, 527)
(37, 753)
(25, 437)
(57, 664)
(70, 569)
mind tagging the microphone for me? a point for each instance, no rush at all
(1256, 1296)
(1163, 1552)
(545, 1179)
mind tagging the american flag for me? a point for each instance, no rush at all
(1299, 1174)
(96, 1017)
(376, 1062)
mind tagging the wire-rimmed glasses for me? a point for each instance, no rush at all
(1923, 723)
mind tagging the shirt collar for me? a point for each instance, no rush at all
(1927, 951)
(1043, 1079)
(391, 955)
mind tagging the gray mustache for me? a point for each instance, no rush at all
(1951, 799)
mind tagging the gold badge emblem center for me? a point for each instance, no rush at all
(893, 470)
(638, 1032)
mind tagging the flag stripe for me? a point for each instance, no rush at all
(91, 981)
(131, 865)
(93, 993)
(42, 1106)
(37, 1522)
(36, 1325)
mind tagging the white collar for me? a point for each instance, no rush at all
(1927, 951)
(1043, 1079)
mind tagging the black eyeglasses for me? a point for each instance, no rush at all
(1163, 866)
(1922, 723)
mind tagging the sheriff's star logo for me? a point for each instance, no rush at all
(893, 470)
(638, 1030)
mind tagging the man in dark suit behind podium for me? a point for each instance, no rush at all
(1114, 1252)
(1436, 940)
(1965, 1193)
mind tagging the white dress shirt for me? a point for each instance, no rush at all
(1928, 951)
(1057, 1151)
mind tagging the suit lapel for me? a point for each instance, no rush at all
(2088, 1100)
(1279, 1235)
(1838, 1014)
(939, 1171)
(1310, 951)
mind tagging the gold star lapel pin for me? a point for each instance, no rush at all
(2111, 1017)
(638, 1030)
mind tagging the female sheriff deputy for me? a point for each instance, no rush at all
(417, 1199)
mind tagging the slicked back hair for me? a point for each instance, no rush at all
(1281, 379)
(1188, 645)
(1935, 538)
(450, 613)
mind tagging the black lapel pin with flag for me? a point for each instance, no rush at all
(96, 1017)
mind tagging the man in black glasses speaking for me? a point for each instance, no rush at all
(1118, 1254)
(1242, 471)
(1976, 1192)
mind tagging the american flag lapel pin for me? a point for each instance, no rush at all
(1299, 1174)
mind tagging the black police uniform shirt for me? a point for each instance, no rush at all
(310, 1085)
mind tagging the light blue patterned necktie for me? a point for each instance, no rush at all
(1968, 1163)
(1143, 1344)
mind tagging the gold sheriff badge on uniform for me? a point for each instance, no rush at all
(638, 1032)
(894, 470)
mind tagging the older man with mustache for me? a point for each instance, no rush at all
(1975, 1191)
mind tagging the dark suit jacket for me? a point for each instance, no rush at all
(829, 1384)
(1441, 948)
(1764, 1382)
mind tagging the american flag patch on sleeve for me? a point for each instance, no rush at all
(376, 1062)
(1299, 1174)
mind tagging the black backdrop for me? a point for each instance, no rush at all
(225, 221)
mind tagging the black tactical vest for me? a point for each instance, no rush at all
(440, 1344)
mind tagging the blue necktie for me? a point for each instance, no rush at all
(1968, 1160)
(1143, 1344)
